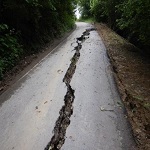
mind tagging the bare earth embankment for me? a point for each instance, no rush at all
(132, 74)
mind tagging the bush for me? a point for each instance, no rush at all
(130, 18)
(37, 21)
(10, 49)
(135, 19)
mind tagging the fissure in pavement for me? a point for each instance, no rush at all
(66, 111)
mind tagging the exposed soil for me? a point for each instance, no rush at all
(28, 62)
(132, 74)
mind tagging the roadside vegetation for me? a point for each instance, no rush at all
(88, 20)
(26, 25)
(129, 18)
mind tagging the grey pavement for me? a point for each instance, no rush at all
(30, 108)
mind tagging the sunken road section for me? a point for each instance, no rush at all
(66, 111)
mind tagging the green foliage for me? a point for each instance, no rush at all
(85, 8)
(135, 17)
(10, 49)
(88, 20)
(37, 21)
(130, 18)
(98, 9)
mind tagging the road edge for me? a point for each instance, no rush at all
(11, 78)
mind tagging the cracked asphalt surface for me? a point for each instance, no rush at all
(31, 110)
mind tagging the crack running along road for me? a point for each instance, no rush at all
(31, 107)
(66, 111)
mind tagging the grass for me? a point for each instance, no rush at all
(147, 105)
(87, 20)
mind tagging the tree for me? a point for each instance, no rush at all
(131, 18)
(85, 8)
(135, 19)
(34, 22)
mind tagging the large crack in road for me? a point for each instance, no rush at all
(67, 101)
(63, 121)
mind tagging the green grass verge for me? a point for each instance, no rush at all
(87, 20)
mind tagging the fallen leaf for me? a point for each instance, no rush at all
(45, 102)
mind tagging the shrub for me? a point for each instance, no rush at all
(10, 49)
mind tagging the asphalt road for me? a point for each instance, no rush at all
(93, 112)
